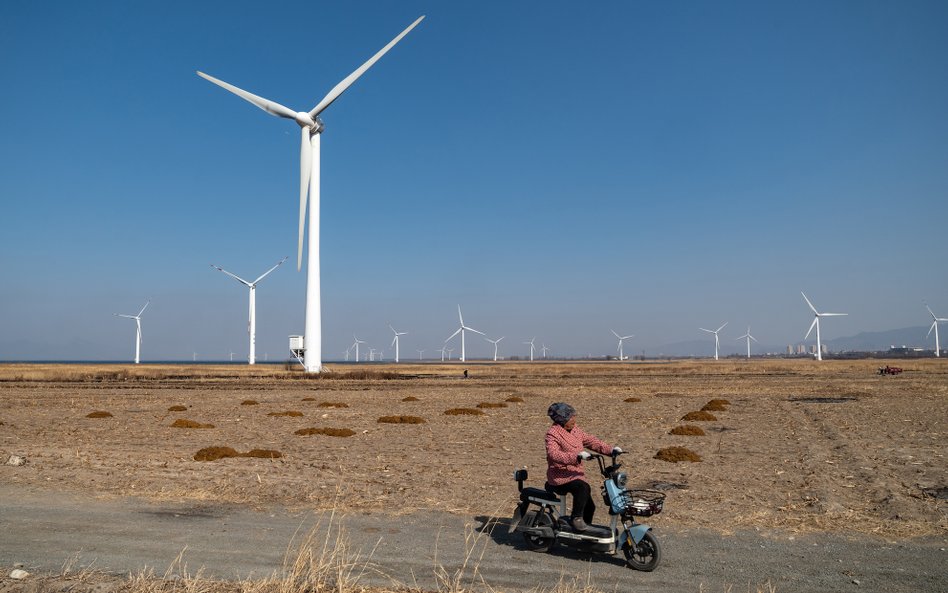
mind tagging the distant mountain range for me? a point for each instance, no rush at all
(863, 342)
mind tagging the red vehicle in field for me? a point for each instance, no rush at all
(889, 370)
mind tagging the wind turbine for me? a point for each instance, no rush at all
(749, 337)
(420, 354)
(621, 338)
(461, 331)
(495, 342)
(443, 348)
(138, 329)
(531, 347)
(544, 350)
(311, 128)
(450, 350)
(934, 326)
(717, 342)
(356, 344)
(252, 323)
(395, 340)
(816, 322)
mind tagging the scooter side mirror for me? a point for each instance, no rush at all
(520, 476)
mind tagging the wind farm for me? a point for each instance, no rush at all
(589, 196)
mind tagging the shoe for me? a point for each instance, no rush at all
(579, 524)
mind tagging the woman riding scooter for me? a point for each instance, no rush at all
(565, 455)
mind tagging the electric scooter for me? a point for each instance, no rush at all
(541, 518)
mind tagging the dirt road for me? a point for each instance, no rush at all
(43, 529)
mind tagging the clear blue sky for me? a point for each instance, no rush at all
(559, 169)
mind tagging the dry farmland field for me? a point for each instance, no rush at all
(795, 445)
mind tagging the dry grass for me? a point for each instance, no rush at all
(714, 406)
(288, 413)
(677, 454)
(464, 412)
(332, 405)
(99, 414)
(401, 420)
(178, 409)
(699, 416)
(250, 402)
(488, 405)
(514, 399)
(410, 398)
(632, 400)
(185, 423)
(331, 432)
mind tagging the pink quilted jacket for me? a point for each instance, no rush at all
(562, 447)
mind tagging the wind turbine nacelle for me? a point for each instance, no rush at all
(305, 120)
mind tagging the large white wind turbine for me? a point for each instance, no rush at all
(138, 329)
(935, 321)
(252, 322)
(621, 338)
(311, 128)
(395, 340)
(532, 340)
(816, 322)
(495, 342)
(748, 337)
(461, 331)
(717, 341)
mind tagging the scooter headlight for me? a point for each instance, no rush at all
(621, 479)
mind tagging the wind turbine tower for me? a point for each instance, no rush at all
(717, 341)
(356, 344)
(816, 323)
(138, 329)
(748, 337)
(935, 321)
(461, 331)
(621, 339)
(311, 128)
(395, 340)
(532, 347)
(252, 322)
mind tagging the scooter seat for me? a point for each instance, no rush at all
(545, 495)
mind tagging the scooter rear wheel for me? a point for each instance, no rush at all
(536, 543)
(644, 555)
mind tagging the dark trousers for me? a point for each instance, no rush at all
(583, 505)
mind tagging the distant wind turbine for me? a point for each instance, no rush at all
(461, 331)
(495, 342)
(532, 340)
(356, 344)
(816, 323)
(443, 350)
(420, 353)
(717, 341)
(138, 329)
(395, 340)
(544, 350)
(311, 129)
(935, 321)
(621, 339)
(450, 350)
(748, 337)
(252, 321)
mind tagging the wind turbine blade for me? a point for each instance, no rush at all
(629, 337)
(808, 302)
(234, 276)
(720, 328)
(615, 334)
(930, 312)
(459, 316)
(347, 81)
(812, 325)
(500, 338)
(934, 323)
(833, 314)
(306, 165)
(706, 330)
(471, 329)
(270, 270)
(753, 338)
(454, 334)
(393, 341)
(125, 316)
(271, 107)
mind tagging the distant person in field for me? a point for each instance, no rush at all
(565, 453)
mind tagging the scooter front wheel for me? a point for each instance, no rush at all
(644, 555)
(535, 542)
